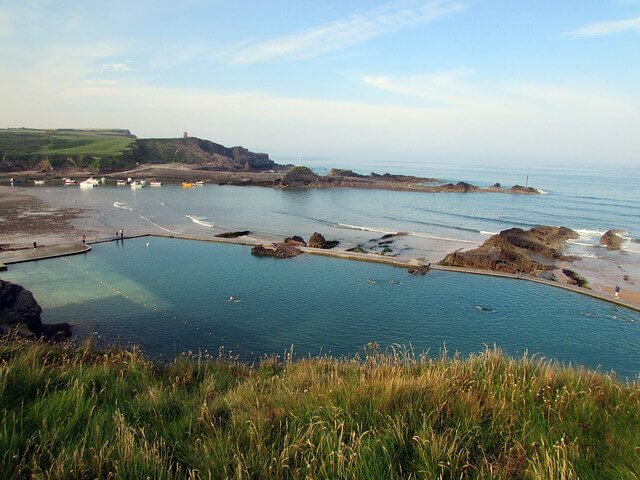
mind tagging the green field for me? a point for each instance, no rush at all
(26, 141)
(72, 413)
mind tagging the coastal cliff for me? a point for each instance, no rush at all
(56, 153)
(104, 151)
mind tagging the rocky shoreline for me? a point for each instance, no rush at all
(297, 177)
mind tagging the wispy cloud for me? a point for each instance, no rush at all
(117, 67)
(442, 88)
(606, 28)
(343, 33)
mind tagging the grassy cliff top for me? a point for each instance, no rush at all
(28, 141)
(79, 413)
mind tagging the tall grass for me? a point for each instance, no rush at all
(79, 413)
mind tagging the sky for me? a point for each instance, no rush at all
(340, 82)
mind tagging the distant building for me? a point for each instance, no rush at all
(185, 135)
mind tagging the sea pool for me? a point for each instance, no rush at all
(170, 296)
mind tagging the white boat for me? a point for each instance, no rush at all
(120, 183)
(92, 181)
(155, 184)
(199, 183)
(38, 182)
(87, 184)
(69, 181)
(136, 184)
(103, 179)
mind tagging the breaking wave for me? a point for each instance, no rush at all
(123, 206)
(364, 229)
(200, 221)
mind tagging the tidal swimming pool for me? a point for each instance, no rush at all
(170, 296)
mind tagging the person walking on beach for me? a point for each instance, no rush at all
(121, 234)
(84, 239)
(617, 292)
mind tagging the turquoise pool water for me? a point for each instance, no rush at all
(171, 296)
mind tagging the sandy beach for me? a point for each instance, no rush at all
(26, 217)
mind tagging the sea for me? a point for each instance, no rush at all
(171, 296)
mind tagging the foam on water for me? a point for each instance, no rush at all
(123, 206)
(365, 229)
(200, 221)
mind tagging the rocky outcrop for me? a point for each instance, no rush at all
(317, 240)
(192, 150)
(298, 176)
(240, 233)
(612, 239)
(296, 241)
(18, 308)
(277, 250)
(419, 269)
(459, 187)
(524, 190)
(574, 278)
(339, 172)
(388, 177)
(516, 251)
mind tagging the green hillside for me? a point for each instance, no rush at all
(25, 148)
(112, 150)
(79, 413)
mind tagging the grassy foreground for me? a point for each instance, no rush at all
(78, 413)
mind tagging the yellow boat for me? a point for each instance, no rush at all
(187, 184)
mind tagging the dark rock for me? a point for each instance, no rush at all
(526, 190)
(388, 177)
(318, 241)
(574, 278)
(459, 187)
(296, 241)
(612, 239)
(357, 249)
(277, 250)
(19, 307)
(420, 269)
(391, 235)
(338, 172)
(497, 185)
(299, 176)
(516, 251)
(240, 233)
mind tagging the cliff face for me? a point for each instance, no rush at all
(515, 250)
(202, 152)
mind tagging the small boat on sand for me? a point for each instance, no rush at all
(121, 183)
(38, 182)
(155, 184)
(136, 184)
(199, 183)
(187, 184)
(69, 181)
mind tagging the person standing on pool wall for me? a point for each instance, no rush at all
(617, 292)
